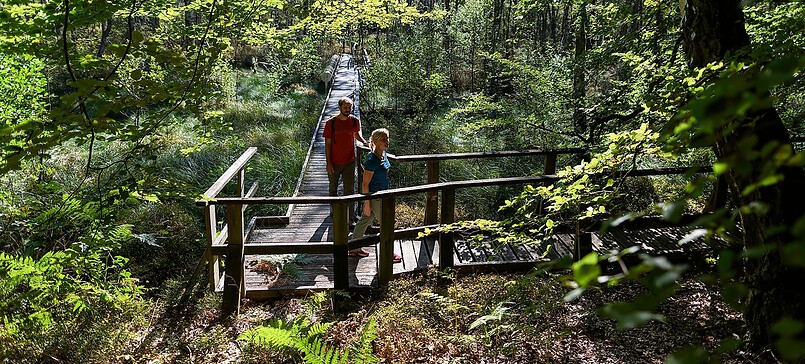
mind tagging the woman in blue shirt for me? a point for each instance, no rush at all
(375, 178)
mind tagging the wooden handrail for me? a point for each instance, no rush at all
(470, 155)
(433, 160)
(498, 154)
(230, 173)
(385, 193)
(432, 187)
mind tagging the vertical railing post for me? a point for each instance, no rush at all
(211, 233)
(387, 219)
(550, 168)
(359, 171)
(242, 193)
(356, 206)
(233, 275)
(242, 182)
(550, 163)
(446, 244)
(432, 197)
(584, 243)
(340, 247)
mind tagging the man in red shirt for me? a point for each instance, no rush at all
(340, 133)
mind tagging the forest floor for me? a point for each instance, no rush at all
(420, 321)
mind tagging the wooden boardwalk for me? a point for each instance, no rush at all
(313, 223)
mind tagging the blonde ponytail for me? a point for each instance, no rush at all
(376, 135)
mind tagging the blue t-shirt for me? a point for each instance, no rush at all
(380, 178)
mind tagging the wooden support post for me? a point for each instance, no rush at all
(446, 244)
(233, 275)
(550, 168)
(340, 248)
(242, 193)
(387, 219)
(211, 231)
(359, 170)
(718, 198)
(584, 243)
(432, 197)
(242, 182)
(357, 205)
(550, 164)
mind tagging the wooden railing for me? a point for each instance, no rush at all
(433, 166)
(234, 249)
(215, 238)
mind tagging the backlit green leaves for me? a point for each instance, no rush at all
(789, 343)
(586, 271)
(23, 116)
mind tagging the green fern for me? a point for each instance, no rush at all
(448, 306)
(289, 264)
(498, 314)
(447, 303)
(363, 349)
(305, 338)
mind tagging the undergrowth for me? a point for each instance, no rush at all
(84, 281)
(475, 317)
(305, 338)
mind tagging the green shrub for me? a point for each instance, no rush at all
(305, 338)
(167, 242)
(75, 304)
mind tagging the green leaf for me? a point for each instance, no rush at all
(689, 355)
(720, 168)
(628, 315)
(586, 270)
(136, 36)
(791, 349)
(794, 254)
(771, 180)
(572, 295)
(673, 211)
(787, 327)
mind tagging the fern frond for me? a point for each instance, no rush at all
(302, 259)
(364, 347)
(269, 336)
(121, 233)
(316, 352)
(302, 337)
(445, 302)
(343, 358)
(318, 328)
(292, 270)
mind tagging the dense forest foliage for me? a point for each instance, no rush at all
(115, 116)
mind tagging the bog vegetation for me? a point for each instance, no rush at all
(116, 115)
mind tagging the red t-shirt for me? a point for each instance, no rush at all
(343, 142)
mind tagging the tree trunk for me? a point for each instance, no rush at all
(566, 26)
(106, 28)
(579, 84)
(710, 30)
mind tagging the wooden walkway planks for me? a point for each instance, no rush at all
(313, 224)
